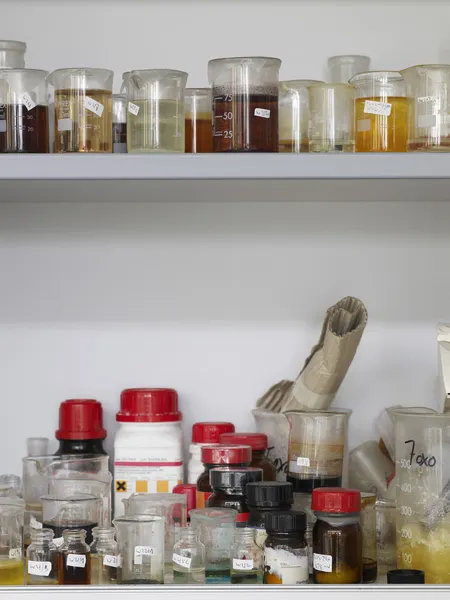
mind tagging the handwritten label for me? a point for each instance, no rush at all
(323, 562)
(363, 125)
(65, 124)
(76, 560)
(41, 569)
(422, 460)
(372, 107)
(27, 100)
(34, 523)
(303, 461)
(242, 565)
(182, 561)
(15, 553)
(110, 560)
(133, 109)
(140, 551)
(422, 99)
(94, 106)
(262, 112)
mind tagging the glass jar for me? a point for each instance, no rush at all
(229, 490)
(337, 536)
(119, 123)
(105, 559)
(293, 115)
(247, 564)
(332, 114)
(198, 120)
(369, 532)
(258, 443)
(264, 497)
(285, 549)
(189, 558)
(42, 558)
(74, 559)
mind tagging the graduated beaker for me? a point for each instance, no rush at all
(12, 54)
(317, 448)
(293, 115)
(141, 547)
(155, 110)
(198, 120)
(23, 111)
(80, 511)
(83, 109)
(11, 545)
(245, 103)
(332, 114)
(342, 68)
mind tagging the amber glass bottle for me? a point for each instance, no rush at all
(229, 490)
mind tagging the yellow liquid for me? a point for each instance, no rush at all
(427, 550)
(379, 133)
(11, 572)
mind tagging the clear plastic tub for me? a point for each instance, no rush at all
(332, 112)
(342, 68)
(293, 115)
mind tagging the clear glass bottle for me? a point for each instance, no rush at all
(74, 559)
(42, 558)
(105, 559)
(189, 558)
(247, 564)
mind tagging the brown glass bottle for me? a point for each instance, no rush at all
(23, 130)
(74, 559)
(259, 444)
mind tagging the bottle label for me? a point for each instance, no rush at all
(34, 523)
(111, 560)
(41, 569)
(96, 107)
(262, 112)
(76, 560)
(202, 497)
(182, 561)
(303, 461)
(323, 562)
(242, 565)
(15, 553)
(140, 551)
(242, 517)
(28, 101)
(58, 541)
(133, 109)
(286, 566)
(373, 107)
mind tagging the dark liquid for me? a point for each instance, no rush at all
(73, 575)
(308, 485)
(59, 528)
(140, 582)
(250, 578)
(198, 135)
(236, 128)
(217, 576)
(23, 130)
(119, 138)
(370, 570)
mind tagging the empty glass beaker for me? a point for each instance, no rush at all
(11, 544)
(71, 512)
(23, 111)
(42, 559)
(141, 548)
(428, 87)
(276, 427)
(342, 68)
(293, 115)
(155, 110)
(332, 113)
(245, 103)
(317, 448)
(119, 123)
(188, 558)
(198, 120)
(83, 109)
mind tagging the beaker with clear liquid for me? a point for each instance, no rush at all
(155, 120)
(245, 103)
(293, 115)
(11, 544)
(332, 113)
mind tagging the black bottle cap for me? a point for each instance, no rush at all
(221, 477)
(270, 494)
(405, 576)
(289, 521)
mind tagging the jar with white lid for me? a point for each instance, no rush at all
(204, 434)
(148, 446)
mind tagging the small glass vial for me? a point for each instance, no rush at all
(105, 559)
(189, 558)
(285, 549)
(332, 113)
(74, 559)
(247, 559)
(42, 558)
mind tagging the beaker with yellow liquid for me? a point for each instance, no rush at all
(11, 544)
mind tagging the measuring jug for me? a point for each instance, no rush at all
(80, 511)
(11, 545)
(155, 110)
(245, 103)
(23, 111)
(317, 448)
(12, 54)
(293, 116)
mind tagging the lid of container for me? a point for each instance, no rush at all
(148, 405)
(209, 433)
(405, 576)
(190, 491)
(270, 494)
(336, 500)
(226, 455)
(288, 521)
(80, 420)
(12, 45)
(222, 477)
(257, 441)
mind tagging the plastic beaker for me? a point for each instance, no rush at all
(155, 110)
(198, 120)
(119, 123)
(23, 111)
(141, 547)
(276, 427)
(369, 531)
(12, 54)
(11, 545)
(332, 116)
(83, 109)
(342, 68)
(317, 448)
(293, 115)
(80, 511)
(371, 471)
(245, 103)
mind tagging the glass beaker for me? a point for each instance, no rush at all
(369, 532)
(422, 460)
(71, 512)
(317, 448)
(119, 123)
(189, 555)
(371, 471)
(276, 427)
(342, 68)
(83, 109)
(245, 103)
(293, 115)
(198, 120)
(381, 112)
(332, 114)
(141, 547)
(11, 544)
(386, 550)
(216, 528)
(155, 110)
(23, 111)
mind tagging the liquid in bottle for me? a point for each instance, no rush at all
(23, 130)
(11, 572)
(74, 559)
(383, 132)
(156, 126)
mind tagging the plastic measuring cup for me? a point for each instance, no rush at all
(342, 68)
(12, 54)
(11, 547)
(245, 103)
(332, 112)
(198, 120)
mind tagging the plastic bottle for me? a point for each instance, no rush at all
(258, 443)
(148, 446)
(204, 434)
(80, 428)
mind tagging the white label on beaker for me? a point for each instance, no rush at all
(303, 461)
(323, 562)
(110, 560)
(140, 551)
(372, 107)
(65, 124)
(26, 99)
(242, 565)
(421, 99)
(183, 561)
(76, 560)
(94, 106)
(426, 121)
(15, 553)
(39, 568)
(58, 541)
(133, 109)
(363, 125)
(262, 112)
(34, 523)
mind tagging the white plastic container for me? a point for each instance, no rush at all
(204, 434)
(148, 446)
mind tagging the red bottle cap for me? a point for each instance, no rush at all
(226, 455)
(336, 500)
(209, 433)
(190, 491)
(148, 405)
(257, 441)
(80, 420)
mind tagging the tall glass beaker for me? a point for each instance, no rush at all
(11, 545)
(293, 115)
(332, 111)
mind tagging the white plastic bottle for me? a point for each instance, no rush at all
(204, 434)
(148, 446)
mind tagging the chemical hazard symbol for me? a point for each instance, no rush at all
(121, 486)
